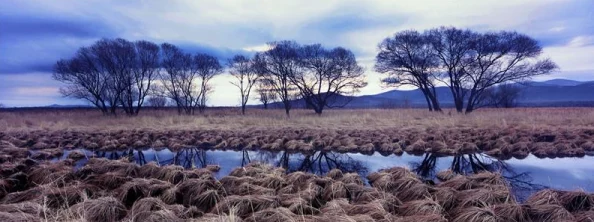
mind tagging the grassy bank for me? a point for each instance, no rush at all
(502, 133)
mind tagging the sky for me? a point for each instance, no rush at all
(36, 34)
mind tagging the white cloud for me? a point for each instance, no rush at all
(248, 25)
(580, 41)
(557, 29)
(257, 48)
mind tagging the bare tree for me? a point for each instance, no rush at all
(179, 79)
(469, 63)
(278, 65)
(266, 94)
(503, 57)
(110, 73)
(453, 47)
(84, 78)
(186, 78)
(157, 101)
(242, 68)
(207, 67)
(505, 95)
(116, 58)
(327, 75)
(144, 73)
(407, 59)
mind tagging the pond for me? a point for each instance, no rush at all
(525, 176)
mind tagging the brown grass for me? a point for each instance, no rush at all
(476, 214)
(275, 214)
(420, 207)
(544, 197)
(445, 175)
(511, 212)
(156, 216)
(148, 204)
(245, 204)
(503, 133)
(132, 191)
(575, 201)
(446, 197)
(374, 209)
(101, 209)
(550, 212)
(264, 119)
(485, 197)
(585, 216)
(107, 190)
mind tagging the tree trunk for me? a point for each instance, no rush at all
(243, 109)
(435, 103)
(287, 108)
(113, 110)
(470, 105)
(427, 99)
(469, 108)
(433, 96)
(318, 110)
(458, 100)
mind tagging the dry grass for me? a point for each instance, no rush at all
(118, 190)
(101, 209)
(476, 214)
(501, 133)
(229, 119)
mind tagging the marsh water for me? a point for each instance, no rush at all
(525, 176)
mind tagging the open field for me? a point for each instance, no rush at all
(544, 132)
(257, 119)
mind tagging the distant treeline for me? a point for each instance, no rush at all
(117, 74)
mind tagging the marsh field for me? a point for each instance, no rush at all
(521, 164)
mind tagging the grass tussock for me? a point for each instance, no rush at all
(101, 209)
(511, 212)
(544, 132)
(245, 205)
(476, 214)
(420, 207)
(550, 212)
(119, 190)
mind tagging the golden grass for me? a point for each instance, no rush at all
(501, 133)
(259, 192)
(230, 119)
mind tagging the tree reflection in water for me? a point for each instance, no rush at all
(318, 162)
(188, 158)
(321, 162)
(520, 183)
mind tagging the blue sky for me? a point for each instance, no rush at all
(35, 34)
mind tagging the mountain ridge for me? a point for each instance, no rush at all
(555, 92)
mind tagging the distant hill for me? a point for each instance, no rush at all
(68, 106)
(557, 82)
(556, 92)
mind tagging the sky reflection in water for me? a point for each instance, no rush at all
(525, 176)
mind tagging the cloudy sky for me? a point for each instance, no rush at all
(35, 34)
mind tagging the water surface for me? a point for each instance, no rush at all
(525, 176)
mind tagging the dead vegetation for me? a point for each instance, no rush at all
(118, 190)
(550, 132)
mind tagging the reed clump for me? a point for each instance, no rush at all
(513, 133)
(119, 190)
